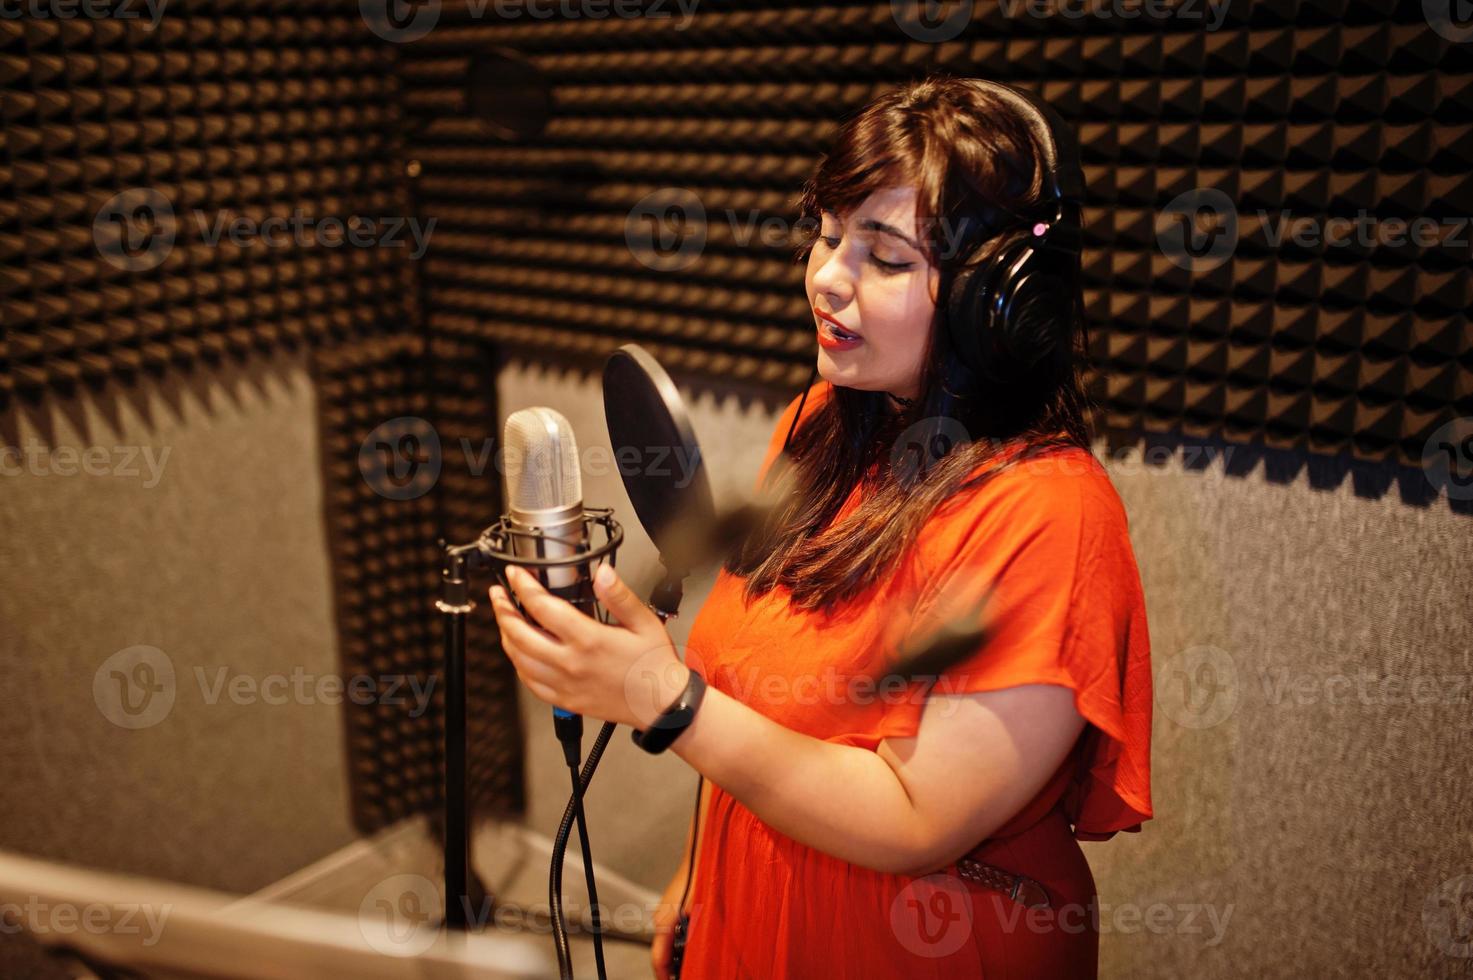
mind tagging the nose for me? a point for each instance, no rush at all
(834, 278)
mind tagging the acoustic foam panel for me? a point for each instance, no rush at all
(1320, 110)
(123, 147)
(391, 474)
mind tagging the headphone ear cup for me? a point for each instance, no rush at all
(1006, 316)
(973, 320)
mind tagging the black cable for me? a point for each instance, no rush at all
(682, 918)
(559, 848)
(695, 839)
(598, 941)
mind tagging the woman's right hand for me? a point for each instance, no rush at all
(665, 916)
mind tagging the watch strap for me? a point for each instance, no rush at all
(675, 719)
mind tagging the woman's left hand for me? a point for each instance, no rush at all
(626, 674)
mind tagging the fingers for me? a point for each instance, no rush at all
(557, 616)
(535, 654)
(619, 599)
(531, 637)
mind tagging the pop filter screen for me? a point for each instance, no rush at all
(655, 450)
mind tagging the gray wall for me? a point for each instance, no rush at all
(215, 556)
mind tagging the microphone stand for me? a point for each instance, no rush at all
(492, 549)
(454, 606)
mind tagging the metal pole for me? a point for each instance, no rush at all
(454, 607)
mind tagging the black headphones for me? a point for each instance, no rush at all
(1038, 271)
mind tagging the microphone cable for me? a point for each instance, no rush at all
(682, 919)
(570, 733)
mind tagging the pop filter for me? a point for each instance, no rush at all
(655, 450)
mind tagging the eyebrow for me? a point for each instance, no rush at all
(870, 224)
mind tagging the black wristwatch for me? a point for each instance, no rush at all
(674, 719)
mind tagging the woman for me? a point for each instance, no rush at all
(853, 829)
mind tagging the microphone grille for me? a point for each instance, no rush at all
(541, 461)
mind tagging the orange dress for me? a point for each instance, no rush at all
(1045, 543)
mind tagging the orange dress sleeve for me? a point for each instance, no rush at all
(1041, 554)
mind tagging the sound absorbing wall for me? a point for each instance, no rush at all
(640, 214)
(142, 166)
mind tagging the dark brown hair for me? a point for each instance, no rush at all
(970, 158)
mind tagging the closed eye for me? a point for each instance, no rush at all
(833, 242)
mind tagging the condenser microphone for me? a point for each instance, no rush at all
(544, 494)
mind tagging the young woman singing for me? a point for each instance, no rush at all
(926, 829)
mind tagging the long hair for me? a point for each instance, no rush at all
(970, 158)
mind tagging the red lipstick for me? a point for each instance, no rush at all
(828, 339)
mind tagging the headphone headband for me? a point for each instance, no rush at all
(1063, 173)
